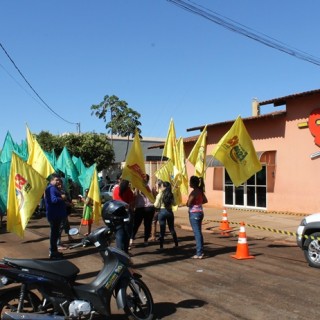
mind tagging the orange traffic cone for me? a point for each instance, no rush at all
(224, 224)
(242, 247)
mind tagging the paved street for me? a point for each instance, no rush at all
(276, 284)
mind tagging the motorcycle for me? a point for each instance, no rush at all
(49, 290)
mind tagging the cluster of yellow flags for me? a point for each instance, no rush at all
(235, 150)
(174, 169)
(27, 183)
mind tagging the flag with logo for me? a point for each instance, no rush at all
(37, 158)
(236, 151)
(25, 188)
(134, 169)
(197, 155)
(94, 194)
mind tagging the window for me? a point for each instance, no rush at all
(251, 194)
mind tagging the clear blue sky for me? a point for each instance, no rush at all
(164, 61)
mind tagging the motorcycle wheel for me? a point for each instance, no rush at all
(134, 308)
(9, 301)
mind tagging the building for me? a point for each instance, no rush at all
(287, 143)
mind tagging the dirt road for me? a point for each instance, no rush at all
(276, 284)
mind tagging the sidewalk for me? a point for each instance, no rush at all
(258, 224)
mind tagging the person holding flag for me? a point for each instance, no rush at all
(195, 201)
(144, 211)
(56, 211)
(87, 214)
(123, 192)
(164, 202)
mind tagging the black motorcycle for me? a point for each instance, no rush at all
(49, 290)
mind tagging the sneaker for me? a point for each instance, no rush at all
(56, 256)
(145, 243)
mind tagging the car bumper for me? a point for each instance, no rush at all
(299, 236)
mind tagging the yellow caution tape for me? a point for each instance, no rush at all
(288, 233)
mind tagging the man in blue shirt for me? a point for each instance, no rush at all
(56, 211)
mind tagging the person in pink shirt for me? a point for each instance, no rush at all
(195, 201)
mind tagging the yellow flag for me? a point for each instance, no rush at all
(197, 155)
(169, 149)
(182, 167)
(134, 169)
(37, 158)
(25, 188)
(164, 173)
(236, 151)
(94, 194)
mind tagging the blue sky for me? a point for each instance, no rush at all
(164, 61)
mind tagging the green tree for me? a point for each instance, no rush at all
(124, 121)
(91, 147)
(49, 142)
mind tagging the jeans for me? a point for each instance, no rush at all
(54, 235)
(166, 216)
(64, 226)
(146, 214)
(122, 237)
(196, 224)
(123, 234)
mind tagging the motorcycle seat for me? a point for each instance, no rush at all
(60, 267)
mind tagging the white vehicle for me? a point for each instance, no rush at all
(308, 239)
(106, 192)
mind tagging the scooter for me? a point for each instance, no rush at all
(48, 289)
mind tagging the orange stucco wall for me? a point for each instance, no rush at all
(296, 175)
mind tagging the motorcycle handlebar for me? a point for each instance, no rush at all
(83, 243)
(101, 236)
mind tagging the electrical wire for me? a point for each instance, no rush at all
(21, 86)
(241, 29)
(35, 92)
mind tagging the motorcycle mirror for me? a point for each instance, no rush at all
(73, 231)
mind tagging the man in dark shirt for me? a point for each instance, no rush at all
(56, 211)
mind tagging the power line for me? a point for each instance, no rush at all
(28, 83)
(241, 29)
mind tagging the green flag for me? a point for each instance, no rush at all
(86, 176)
(66, 165)
(8, 147)
(4, 178)
(79, 164)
